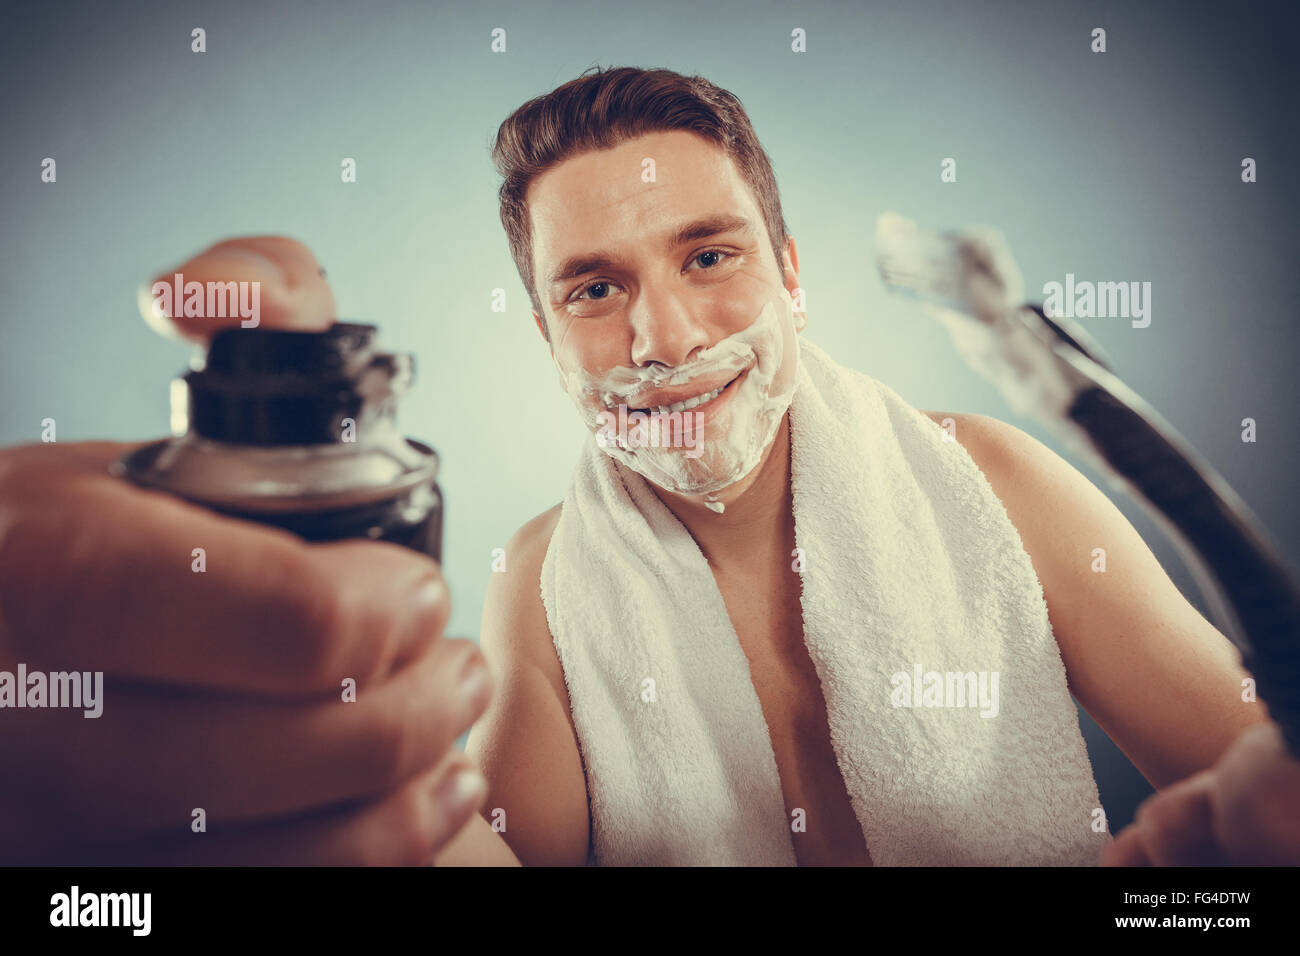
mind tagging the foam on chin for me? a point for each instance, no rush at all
(734, 439)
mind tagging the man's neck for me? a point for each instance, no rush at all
(757, 511)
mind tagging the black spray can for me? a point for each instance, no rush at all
(298, 430)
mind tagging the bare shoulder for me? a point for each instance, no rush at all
(1042, 493)
(1047, 498)
(1018, 466)
(526, 743)
(534, 537)
(982, 435)
(514, 619)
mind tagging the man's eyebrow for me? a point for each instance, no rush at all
(580, 265)
(712, 226)
(575, 266)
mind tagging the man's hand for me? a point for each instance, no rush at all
(223, 688)
(1243, 811)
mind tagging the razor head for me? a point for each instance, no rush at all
(970, 277)
(970, 272)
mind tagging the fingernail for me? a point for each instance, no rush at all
(431, 593)
(462, 790)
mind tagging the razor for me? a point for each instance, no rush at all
(1049, 368)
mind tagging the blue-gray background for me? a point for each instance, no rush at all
(1116, 166)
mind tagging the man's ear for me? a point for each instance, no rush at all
(790, 273)
(541, 327)
(791, 263)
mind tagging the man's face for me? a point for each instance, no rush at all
(660, 292)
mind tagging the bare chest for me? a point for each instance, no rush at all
(769, 624)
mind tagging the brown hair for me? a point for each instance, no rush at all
(600, 109)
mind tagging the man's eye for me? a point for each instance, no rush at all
(714, 255)
(603, 292)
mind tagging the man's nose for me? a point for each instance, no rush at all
(664, 329)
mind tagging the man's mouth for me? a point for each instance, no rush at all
(693, 402)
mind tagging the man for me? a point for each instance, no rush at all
(622, 275)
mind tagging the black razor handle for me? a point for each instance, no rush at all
(1261, 588)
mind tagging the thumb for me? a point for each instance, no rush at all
(257, 281)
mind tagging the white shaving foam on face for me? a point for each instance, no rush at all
(734, 440)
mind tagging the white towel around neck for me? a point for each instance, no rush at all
(910, 561)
